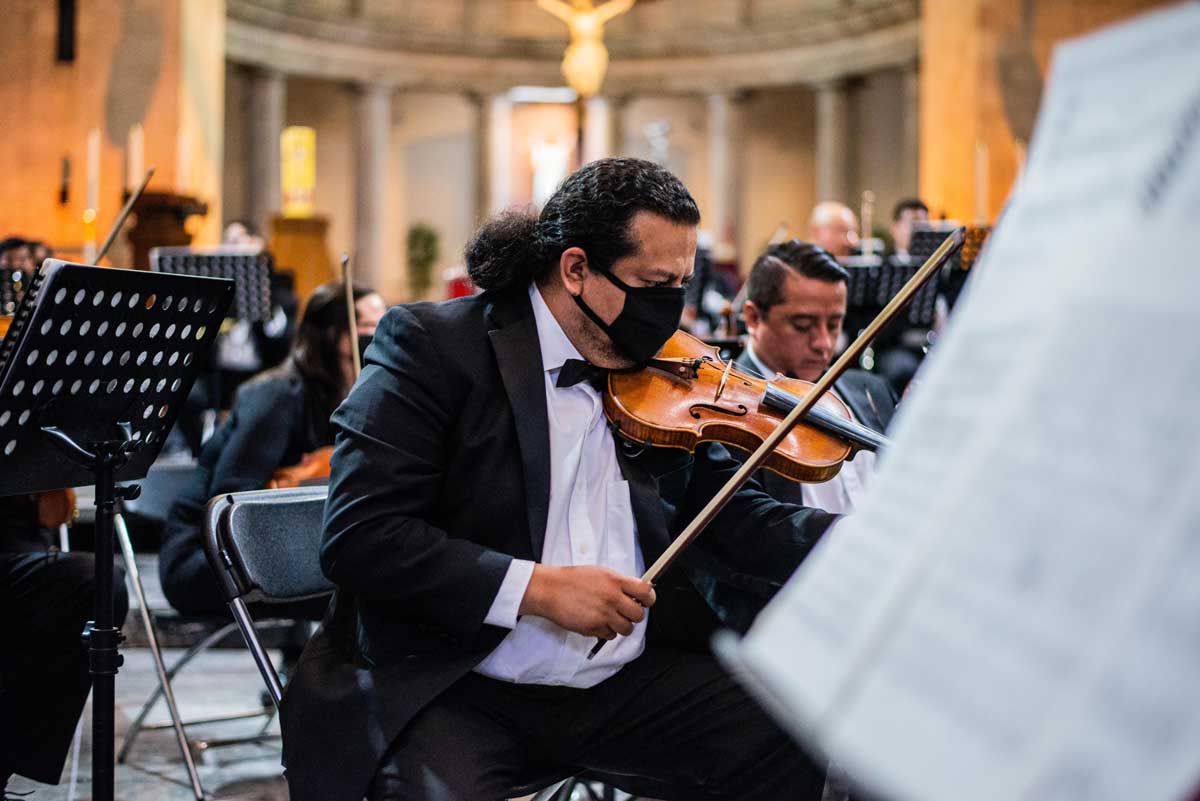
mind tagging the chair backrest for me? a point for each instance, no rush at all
(265, 544)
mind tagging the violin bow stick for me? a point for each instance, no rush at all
(826, 382)
(350, 315)
(116, 226)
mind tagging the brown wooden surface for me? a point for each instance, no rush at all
(300, 244)
(160, 222)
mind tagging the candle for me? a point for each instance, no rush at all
(92, 196)
(135, 152)
(981, 182)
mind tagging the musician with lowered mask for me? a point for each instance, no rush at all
(277, 418)
(795, 306)
(484, 526)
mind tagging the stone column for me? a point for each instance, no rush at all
(724, 171)
(267, 98)
(373, 128)
(833, 141)
(910, 135)
(496, 128)
(598, 130)
(616, 123)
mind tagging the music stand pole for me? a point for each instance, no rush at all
(101, 636)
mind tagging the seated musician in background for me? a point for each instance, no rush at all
(834, 227)
(16, 255)
(907, 211)
(900, 346)
(277, 418)
(795, 305)
(46, 597)
(484, 526)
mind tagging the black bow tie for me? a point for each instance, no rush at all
(575, 370)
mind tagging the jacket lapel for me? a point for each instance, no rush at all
(856, 396)
(653, 536)
(519, 357)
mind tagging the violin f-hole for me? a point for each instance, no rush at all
(741, 410)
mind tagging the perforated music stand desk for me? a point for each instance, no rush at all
(93, 372)
(248, 267)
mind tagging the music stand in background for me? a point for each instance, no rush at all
(926, 236)
(249, 268)
(98, 361)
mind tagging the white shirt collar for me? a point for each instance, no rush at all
(556, 347)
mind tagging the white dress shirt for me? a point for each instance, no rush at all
(841, 493)
(589, 522)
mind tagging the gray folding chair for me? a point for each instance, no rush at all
(265, 547)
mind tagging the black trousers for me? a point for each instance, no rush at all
(45, 598)
(669, 725)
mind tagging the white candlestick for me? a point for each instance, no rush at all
(135, 152)
(981, 182)
(92, 196)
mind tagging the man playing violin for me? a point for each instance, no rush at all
(795, 306)
(484, 526)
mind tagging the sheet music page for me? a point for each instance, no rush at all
(1014, 611)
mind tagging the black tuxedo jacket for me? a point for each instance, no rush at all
(441, 476)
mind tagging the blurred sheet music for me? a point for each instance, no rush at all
(1015, 611)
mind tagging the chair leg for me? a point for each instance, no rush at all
(164, 681)
(136, 726)
(242, 615)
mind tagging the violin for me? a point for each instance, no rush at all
(687, 395)
(664, 426)
(313, 468)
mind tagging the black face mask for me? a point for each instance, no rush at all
(649, 318)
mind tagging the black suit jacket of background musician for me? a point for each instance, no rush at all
(441, 476)
(869, 397)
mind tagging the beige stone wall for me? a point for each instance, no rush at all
(878, 121)
(434, 167)
(982, 63)
(778, 165)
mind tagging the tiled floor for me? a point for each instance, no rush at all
(220, 682)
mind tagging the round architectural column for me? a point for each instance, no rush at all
(598, 129)
(833, 141)
(497, 130)
(724, 171)
(910, 144)
(268, 95)
(373, 124)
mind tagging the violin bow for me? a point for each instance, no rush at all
(116, 226)
(351, 317)
(930, 268)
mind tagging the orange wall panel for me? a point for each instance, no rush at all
(126, 70)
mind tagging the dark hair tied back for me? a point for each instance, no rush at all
(591, 210)
(505, 251)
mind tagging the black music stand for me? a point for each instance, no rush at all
(249, 268)
(98, 361)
